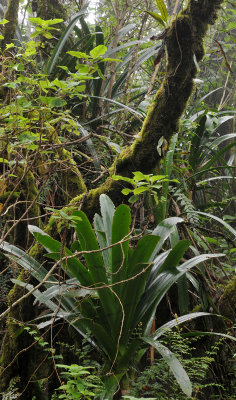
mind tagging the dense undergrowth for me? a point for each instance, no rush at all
(81, 138)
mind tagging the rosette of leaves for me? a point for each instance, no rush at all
(110, 289)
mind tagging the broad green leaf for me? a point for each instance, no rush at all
(141, 189)
(58, 252)
(44, 23)
(122, 178)
(47, 35)
(50, 244)
(52, 101)
(89, 243)
(3, 21)
(95, 264)
(78, 54)
(133, 199)
(107, 211)
(54, 21)
(111, 383)
(174, 365)
(111, 59)
(98, 51)
(139, 176)
(103, 338)
(126, 191)
(73, 266)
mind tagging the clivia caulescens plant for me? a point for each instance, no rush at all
(111, 290)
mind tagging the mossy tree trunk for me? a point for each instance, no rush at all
(184, 49)
(9, 29)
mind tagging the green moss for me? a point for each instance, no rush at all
(227, 303)
(11, 343)
(89, 202)
(197, 308)
(50, 9)
(184, 45)
(11, 15)
(71, 180)
(4, 196)
(29, 192)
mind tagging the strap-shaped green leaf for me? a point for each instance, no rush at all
(107, 211)
(95, 265)
(220, 220)
(137, 271)
(120, 230)
(162, 8)
(101, 237)
(77, 269)
(89, 243)
(174, 365)
(158, 18)
(164, 230)
(103, 338)
(59, 252)
(25, 260)
(175, 255)
(59, 47)
(175, 322)
(162, 283)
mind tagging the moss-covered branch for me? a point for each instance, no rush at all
(184, 49)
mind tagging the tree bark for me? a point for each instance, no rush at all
(9, 29)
